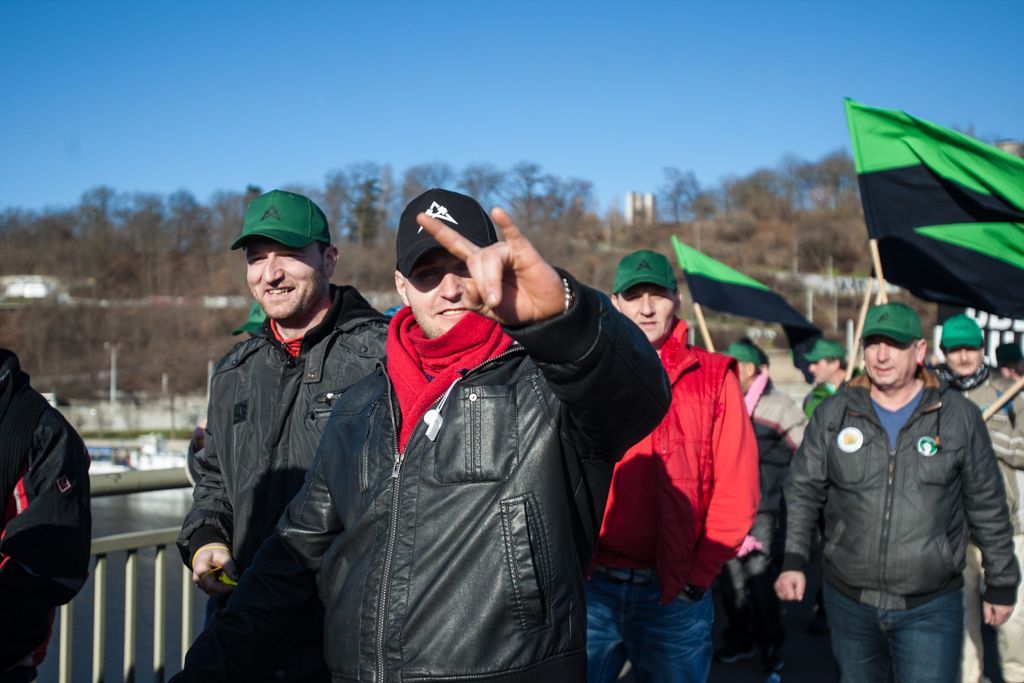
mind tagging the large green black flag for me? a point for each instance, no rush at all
(946, 209)
(721, 288)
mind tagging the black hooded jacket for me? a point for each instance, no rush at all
(44, 516)
(266, 415)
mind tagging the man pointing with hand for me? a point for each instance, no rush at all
(454, 500)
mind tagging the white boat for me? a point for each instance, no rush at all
(148, 452)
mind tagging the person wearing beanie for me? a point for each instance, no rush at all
(904, 470)
(751, 606)
(962, 342)
(448, 518)
(681, 503)
(270, 398)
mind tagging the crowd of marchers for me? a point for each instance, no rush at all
(516, 477)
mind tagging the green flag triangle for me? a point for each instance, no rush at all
(694, 262)
(1003, 241)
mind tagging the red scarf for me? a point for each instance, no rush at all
(421, 369)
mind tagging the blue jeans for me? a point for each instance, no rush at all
(921, 644)
(665, 644)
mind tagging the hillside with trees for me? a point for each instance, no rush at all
(134, 268)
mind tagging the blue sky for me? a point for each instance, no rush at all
(207, 96)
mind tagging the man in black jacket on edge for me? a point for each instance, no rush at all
(904, 469)
(270, 398)
(45, 524)
(448, 518)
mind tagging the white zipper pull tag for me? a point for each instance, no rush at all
(434, 420)
(433, 417)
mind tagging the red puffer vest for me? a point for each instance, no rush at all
(684, 461)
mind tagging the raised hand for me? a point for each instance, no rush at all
(509, 281)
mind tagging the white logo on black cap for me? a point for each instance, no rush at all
(439, 212)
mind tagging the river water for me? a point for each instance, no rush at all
(120, 514)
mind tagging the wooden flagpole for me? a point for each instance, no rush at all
(1004, 399)
(703, 327)
(851, 357)
(882, 297)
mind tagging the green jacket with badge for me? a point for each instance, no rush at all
(896, 522)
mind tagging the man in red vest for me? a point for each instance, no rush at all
(681, 503)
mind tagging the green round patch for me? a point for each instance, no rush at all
(927, 446)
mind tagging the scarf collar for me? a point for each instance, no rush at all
(422, 369)
(967, 383)
(757, 389)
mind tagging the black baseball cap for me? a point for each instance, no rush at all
(459, 212)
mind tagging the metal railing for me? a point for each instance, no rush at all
(131, 544)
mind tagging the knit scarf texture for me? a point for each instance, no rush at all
(755, 391)
(963, 383)
(421, 369)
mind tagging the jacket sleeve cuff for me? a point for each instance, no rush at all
(203, 535)
(1001, 595)
(567, 337)
(793, 562)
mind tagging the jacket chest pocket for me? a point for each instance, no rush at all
(937, 464)
(482, 443)
(856, 454)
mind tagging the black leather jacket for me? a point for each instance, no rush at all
(461, 559)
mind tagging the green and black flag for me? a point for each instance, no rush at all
(946, 209)
(716, 286)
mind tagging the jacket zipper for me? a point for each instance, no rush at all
(890, 489)
(396, 484)
(889, 493)
(389, 552)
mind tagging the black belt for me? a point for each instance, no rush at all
(620, 575)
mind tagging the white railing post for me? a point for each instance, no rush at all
(99, 622)
(130, 578)
(186, 612)
(64, 663)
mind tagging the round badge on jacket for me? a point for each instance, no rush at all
(850, 440)
(927, 446)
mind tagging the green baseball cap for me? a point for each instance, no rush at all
(743, 352)
(897, 322)
(284, 217)
(825, 348)
(255, 321)
(961, 331)
(644, 267)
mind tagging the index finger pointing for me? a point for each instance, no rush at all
(452, 241)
